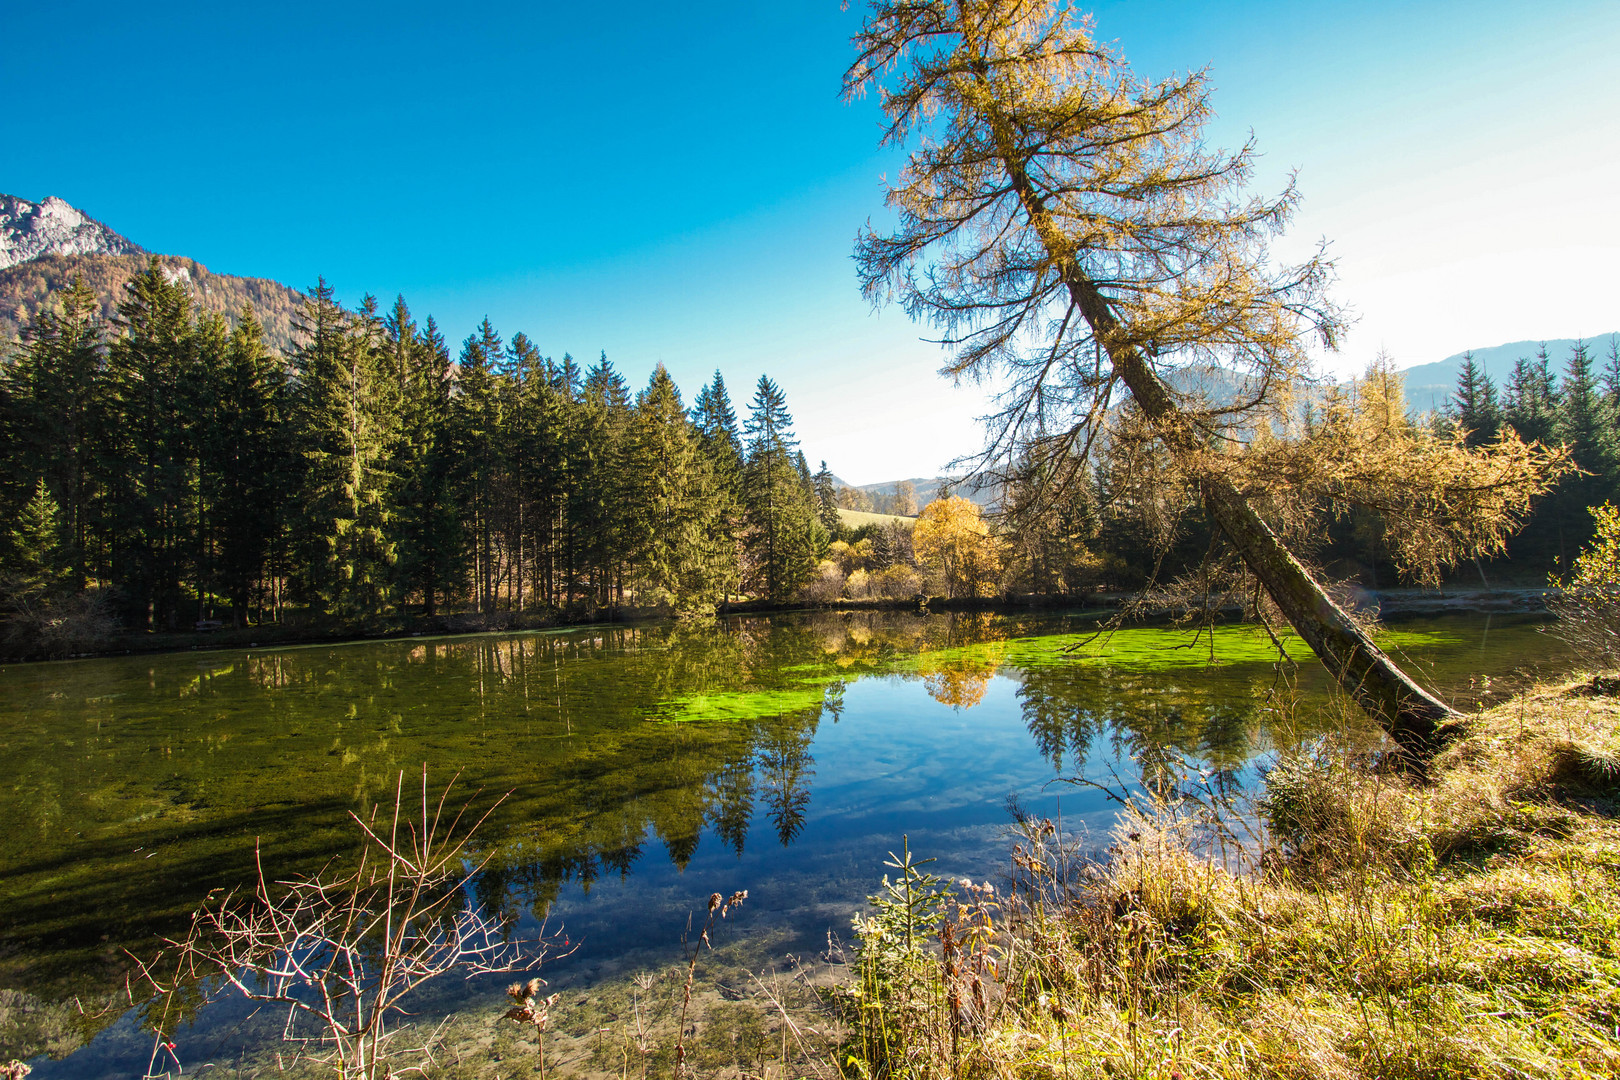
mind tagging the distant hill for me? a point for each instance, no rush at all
(1428, 386)
(926, 489)
(27, 286)
(31, 229)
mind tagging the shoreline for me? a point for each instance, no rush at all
(1397, 604)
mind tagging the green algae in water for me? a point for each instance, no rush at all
(741, 705)
(1136, 649)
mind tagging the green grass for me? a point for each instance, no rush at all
(854, 519)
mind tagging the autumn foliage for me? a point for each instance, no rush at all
(953, 539)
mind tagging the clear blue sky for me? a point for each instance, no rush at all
(681, 182)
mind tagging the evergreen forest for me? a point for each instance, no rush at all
(169, 469)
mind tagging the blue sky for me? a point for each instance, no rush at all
(682, 183)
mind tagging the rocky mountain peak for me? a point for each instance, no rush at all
(54, 227)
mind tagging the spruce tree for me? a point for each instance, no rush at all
(1529, 406)
(344, 550)
(716, 424)
(37, 551)
(606, 479)
(675, 536)
(56, 393)
(783, 537)
(1582, 424)
(826, 501)
(147, 449)
(426, 527)
(1474, 406)
(253, 460)
(477, 412)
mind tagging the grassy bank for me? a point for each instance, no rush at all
(1466, 924)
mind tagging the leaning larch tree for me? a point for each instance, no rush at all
(1065, 225)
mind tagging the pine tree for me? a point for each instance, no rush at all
(783, 538)
(344, 552)
(147, 448)
(1474, 406)
(477, 412)
(251, 455)
(1530, 406)
(56, 393)
(826, 502)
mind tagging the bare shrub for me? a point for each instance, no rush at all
(342, 949)
(52, 624)
(826, 586)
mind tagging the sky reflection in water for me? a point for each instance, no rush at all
(648, 766)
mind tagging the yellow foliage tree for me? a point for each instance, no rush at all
(952, 537)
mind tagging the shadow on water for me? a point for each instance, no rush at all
(642, 766)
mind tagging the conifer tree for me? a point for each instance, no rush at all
(598, 505)
(783, 538)
(1474, 404)
(252, 459)
(56, 394)
(1611, 381)
(1582, 425)
(36, 547)
(1530, 405)
(1068, 226)
(147, 448)
(477, 412)
(343, 546)
(826, 500)
(678, 543)
(718, 436)
(426, 527)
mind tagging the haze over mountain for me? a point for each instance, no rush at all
(1428, 386)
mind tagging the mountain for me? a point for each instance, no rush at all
(29, 230)
(45, 245)
(1428, 386)
(27, 287)
(925, 489)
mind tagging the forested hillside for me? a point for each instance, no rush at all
(26, 289)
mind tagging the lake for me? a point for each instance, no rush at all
(643, 767)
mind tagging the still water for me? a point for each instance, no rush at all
(643, 767)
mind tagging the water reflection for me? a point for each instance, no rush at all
(137, 785)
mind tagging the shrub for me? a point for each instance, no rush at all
(1588, 603)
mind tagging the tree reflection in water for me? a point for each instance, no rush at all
(143, 783)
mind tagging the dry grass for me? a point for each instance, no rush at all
(1462, 925)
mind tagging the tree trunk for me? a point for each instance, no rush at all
(1408, 712)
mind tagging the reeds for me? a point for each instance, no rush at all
(1378, 925)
